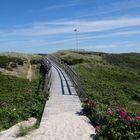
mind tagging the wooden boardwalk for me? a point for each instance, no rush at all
(61, 119)
(63, 97)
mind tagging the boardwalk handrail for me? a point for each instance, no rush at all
(46, 69)
(74, 77)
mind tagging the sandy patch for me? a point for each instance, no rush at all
(29, 73)
(11, 133)
(64, 126)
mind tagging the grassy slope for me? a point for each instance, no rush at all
(19, 98)
(16, 64)
(112, 79)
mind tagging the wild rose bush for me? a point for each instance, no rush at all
(113, 124)
(95, 111)
(120, 125)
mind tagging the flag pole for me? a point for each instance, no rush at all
(76, 35)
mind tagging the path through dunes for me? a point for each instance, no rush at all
(29, 73)
(61, 119)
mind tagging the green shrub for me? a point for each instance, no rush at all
(120, 125)
(95, 111)
(35, 61)
(13, 65)
(5, 61)
(19, 100)
(131, 60)
(112, 125)
(72, 61)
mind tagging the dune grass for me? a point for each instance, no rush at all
(112, 79)
(20, 98)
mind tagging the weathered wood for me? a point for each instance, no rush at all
(46, 69)
(74, 77)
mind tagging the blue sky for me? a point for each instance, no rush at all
(44, 26)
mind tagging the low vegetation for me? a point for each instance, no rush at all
(20, 98)
(24, 130)
(110, 81)
(10, 62)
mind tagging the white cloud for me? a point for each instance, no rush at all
(109, 7)
(67, 27)
(35, 34)
(63, 5)
(107, 35)
(92, 26)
